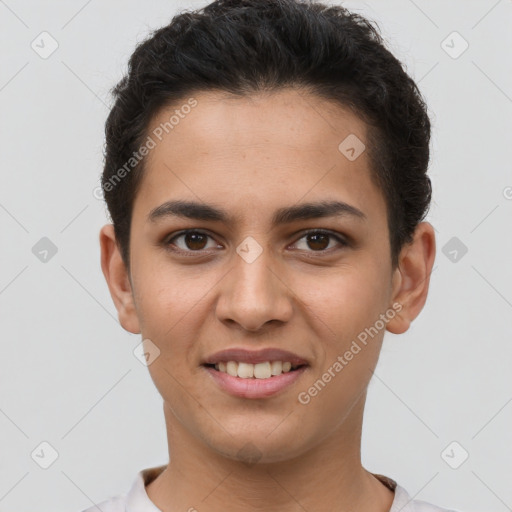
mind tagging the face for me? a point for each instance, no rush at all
(241, 263)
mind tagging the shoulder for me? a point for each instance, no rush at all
(405, 503)
(136, 499)
(115, 504)
(423, 506)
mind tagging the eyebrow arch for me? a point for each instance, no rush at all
(286, 215)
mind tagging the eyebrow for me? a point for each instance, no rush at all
(286, 215)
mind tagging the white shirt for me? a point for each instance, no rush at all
(137, 499)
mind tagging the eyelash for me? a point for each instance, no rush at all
(168, 242)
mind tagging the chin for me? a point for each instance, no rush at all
(258, 447)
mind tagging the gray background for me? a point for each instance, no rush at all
(68, 374)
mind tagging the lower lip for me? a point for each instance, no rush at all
(254, 388)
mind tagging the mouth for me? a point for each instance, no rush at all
(263, 370)
(254, 374)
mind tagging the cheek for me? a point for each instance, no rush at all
(342, 308)
(346, 301)
(169, 298)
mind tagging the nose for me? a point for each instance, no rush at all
(253, 295)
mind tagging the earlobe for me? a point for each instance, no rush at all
(118, 281)
(412, 278)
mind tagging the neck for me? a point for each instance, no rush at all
(329, 476)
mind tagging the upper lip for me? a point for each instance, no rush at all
(254, 356)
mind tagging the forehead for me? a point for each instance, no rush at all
(282, 118)
(261, 150)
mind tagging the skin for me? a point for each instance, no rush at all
(250, 157)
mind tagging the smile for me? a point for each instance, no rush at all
(264, 370)
(253, 386)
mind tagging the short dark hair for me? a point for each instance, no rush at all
(244, 47)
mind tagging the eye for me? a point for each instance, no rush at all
(191, 241)
(319, 241)
(195, 241)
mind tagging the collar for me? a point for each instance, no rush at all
(137, 499)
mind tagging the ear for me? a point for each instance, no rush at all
(411, 278)
(118, 281)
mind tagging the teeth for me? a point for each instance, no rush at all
(258, 371)
(231, 368)
(262, 370)
(276, 367)
(245, 370)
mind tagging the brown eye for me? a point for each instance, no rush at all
(320, 241)
(191, 241)
(196, 241)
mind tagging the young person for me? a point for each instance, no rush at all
(265, 173)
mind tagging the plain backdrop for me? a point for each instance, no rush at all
(441, 393)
